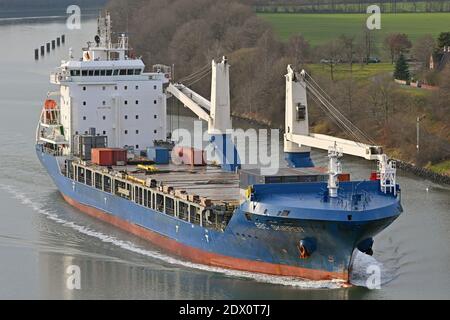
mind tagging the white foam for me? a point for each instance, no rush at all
(127, 245)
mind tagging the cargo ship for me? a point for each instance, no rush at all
(102, 137)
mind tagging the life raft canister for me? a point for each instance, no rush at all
(50, 104)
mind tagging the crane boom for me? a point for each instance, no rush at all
(191, 100)
(322, 141)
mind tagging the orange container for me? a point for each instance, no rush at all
(344, 177)
(189, 156)
(108, 156)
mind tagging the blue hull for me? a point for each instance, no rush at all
(259, 237)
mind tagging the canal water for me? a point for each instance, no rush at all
(41, 236)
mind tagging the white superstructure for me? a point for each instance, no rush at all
(108, 90)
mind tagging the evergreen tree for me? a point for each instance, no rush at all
(401, 69)
(444, 40)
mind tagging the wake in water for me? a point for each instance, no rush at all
(358, 276)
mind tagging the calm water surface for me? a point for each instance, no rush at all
(40, 235)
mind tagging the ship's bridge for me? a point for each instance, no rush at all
(104, 70)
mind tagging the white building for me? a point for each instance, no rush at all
(109, 91)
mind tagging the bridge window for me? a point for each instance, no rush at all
(137, 72)
(109, 72)
(103, 72)
(130, 72)
(96, 72)
(91, 72)
(116, 72)
(74, 73)
(84, 73)
(123, 72)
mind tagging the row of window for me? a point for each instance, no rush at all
(137, 131)
(105, 72)
(125, 117)
(124, 87)
(125, 102)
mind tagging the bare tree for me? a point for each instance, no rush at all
(348, 49)
(423, 48)
(397, 43)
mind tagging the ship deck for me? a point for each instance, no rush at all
(208, 182)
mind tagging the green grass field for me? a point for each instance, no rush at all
(319, 28)
(359, 74)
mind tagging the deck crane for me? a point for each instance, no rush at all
(215, 112)
(298, 141)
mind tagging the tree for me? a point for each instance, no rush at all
(368, 39)
(397, 43)
(348, 46)
(330, 53)
(444, 40)
(298, 49)
(401, 69)
(423, 48)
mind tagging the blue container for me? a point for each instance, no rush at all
(159, 155)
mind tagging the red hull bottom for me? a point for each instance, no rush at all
(207, 258)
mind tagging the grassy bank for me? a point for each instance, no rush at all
(359, 73)
(441, 168)
(320, 28)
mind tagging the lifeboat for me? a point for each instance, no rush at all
(50, 111)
